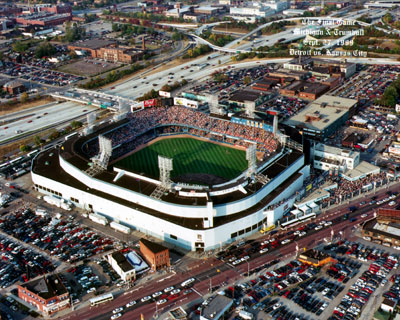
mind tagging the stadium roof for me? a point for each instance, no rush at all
(47, 164)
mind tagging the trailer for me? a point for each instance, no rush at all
(58, 202)
(120, 227)
(98, 219)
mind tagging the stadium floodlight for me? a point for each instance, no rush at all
(213, 104)
(251, 157)
(90, 118)
(250, 107)
(105, 145)
(165, 167)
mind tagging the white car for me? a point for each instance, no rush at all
(236, 262)
(130, 304)
(144, 299)
(276, 305)
(285, 241)
(302, 234)
(364, 215)
(168, 289)
(116, 316)
(318, 228)
(162, 301)
(175, 291)
(326, 224)
(264, 250)
(156, 294)
(118, 310)
(392, 203)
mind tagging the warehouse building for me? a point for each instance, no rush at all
(323, 117)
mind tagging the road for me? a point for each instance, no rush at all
(37, 118)
(216, 272)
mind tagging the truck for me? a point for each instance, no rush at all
(95, 217)
(120, 227)
(58, 202)
(246, 315)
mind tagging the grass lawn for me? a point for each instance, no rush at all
(189, 156)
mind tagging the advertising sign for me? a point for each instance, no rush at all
(164, 94)
(149, 103)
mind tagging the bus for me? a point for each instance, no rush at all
(289, 223)
(101, 299)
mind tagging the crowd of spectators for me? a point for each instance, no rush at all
(192, 121)
(347, 189)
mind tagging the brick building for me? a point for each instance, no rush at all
(48, 294)
(14, 87)
(106, 50)
(384, 229)
(123, 55)
(155, 254)
(43, 19)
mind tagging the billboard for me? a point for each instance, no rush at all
(149, 103)
(178, 101)
(137, 106)
(164, 94)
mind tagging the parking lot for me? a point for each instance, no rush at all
(338, 290)
(43, 76)
(88, 67)
(63, 239)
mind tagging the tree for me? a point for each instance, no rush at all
(20, 46)
(76, 124)
(45, 50)
(176, 36)
(247, 80)
(37, 140)
(24, 97)
(24, 148)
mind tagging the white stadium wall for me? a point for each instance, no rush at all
(162, 229)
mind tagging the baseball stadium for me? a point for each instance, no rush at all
(193, 179)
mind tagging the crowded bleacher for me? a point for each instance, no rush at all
(179, 119)
(347, 189)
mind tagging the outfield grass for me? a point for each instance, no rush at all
(189, 156)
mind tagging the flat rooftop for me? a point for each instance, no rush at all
(364, 168)
(336, 151)
(216, 307)
(93, 44)
(322, 112)
(46, 287)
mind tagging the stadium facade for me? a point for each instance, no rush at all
(190, 216)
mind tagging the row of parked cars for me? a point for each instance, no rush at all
(17, 263)
(360, 292)
(64, 239)
(49, 77)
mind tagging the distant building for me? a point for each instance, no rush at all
(121, 266)
(216, 309)
(331, 158)
(257, 11)
(124, 55)
(48, 294)
(43, 19)
(240, 97)
(305, 89)
(14, 87)
(155, 254)
(323, 117)
(91, 46)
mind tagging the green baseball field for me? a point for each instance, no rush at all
(190, 156)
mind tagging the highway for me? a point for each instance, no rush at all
(35, 119)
